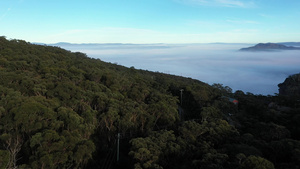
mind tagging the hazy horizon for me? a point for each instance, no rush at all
(167, 24)
(255, 72)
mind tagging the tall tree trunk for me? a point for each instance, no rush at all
(13, 145)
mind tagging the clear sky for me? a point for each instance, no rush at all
(151, 21)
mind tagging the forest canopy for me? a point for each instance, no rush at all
(60, 109)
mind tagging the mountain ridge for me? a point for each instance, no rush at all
(269, 47)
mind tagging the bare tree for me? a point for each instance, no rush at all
(13, 145)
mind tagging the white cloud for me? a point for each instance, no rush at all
(266, 15)
(225, 3)
(146, 36)
(5, 13)
(242, 21)
(9, 9)
(105, 35)
(232, 3)
(127, 35)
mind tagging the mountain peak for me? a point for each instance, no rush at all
(268, 47)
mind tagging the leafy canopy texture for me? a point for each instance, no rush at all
(60, 109)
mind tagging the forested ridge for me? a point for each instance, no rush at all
(60, 109)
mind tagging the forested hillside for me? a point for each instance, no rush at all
(60, 109)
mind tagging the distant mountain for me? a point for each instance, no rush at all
(290, 43)
(77, 46)
(269, 47)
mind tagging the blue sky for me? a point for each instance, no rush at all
(150, 21)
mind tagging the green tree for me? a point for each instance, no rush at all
(254, 162)
(152, 151)
(11, 134)
(210, 114)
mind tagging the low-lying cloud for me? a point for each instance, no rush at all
(255, 72)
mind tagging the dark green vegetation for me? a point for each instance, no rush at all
(269, 47)
(290, 87)
(64, 110)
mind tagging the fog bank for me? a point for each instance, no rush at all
(255, 72)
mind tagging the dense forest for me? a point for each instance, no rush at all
(60, 109)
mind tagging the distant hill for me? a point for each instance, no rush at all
(290, 43)
(269, 47)
(69, 46)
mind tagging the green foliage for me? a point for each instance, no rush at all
(223, 90)
(63, 110)
(211, 160)
(253, 162)
(191, 130)
(210, 114)
(149, 152)
(4, 159)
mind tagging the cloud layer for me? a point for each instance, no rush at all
(255, 72)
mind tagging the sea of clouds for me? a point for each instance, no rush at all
(255, 72)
